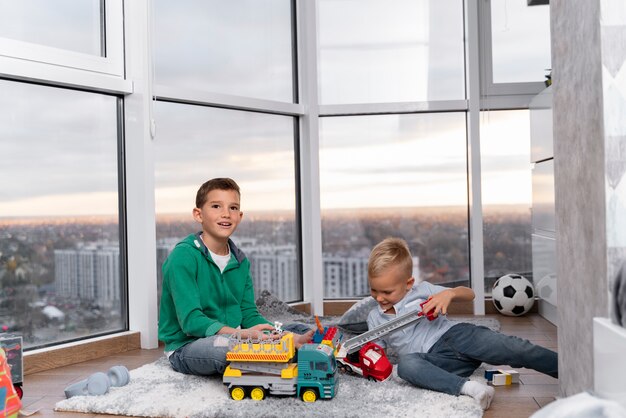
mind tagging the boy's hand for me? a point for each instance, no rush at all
(262, 327)
(439, 303)
(256, 332)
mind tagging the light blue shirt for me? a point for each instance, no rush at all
(418, 337)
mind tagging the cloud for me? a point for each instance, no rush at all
(242, 48)
(56, 142)
(375, 52)
(59, 142)
(195, 143)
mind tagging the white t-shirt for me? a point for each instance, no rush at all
(221, 260)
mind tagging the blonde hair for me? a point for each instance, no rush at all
(390, 252)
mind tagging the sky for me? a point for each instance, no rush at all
(387, 51)
(64, 24)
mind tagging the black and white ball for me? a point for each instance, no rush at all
(513, 295)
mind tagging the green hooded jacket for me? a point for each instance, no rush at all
(197, 299)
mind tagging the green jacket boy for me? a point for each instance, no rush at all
(226, 299)
(207, 289)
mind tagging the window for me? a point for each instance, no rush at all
(520, 39)
(515, 49)
(374, 51)
(66, 24)
(236, 47)
(197, 143)
(393, 175)
(61, 267)
(69, 33)
(226, 85)
(506, 194)
(321, 366)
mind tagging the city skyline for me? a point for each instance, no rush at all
(75, 264)
(105, 218)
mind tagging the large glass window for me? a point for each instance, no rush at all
(195, 144)
(393, 175)
(506, 194)
(374, 51)
(61, 268)
(520, 37)
(65, 24)
(238, 47)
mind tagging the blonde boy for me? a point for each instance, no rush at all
(440, 354)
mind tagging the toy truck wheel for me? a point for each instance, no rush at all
(237, 393)
(257, 393)
(309, 395)
(371, 379)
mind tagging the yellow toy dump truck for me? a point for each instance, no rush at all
(259, 367)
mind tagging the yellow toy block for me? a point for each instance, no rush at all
(504, 377)
(513, 373)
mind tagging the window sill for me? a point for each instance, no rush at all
(75, 352)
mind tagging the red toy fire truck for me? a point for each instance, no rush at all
(362, 356)
(370, 362)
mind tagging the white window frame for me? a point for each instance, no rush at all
(112, 64)
(53, 66)
(47, 66)
(229, 101)
(499, 95)
(25, 61)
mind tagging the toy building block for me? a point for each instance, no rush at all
(489, 374)
(332, 337)
(502, 377)
(319, 332)
(514, 375)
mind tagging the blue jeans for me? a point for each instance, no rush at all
(207, 356)
(462, 349)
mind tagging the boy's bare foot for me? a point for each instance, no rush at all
(482, 393)
(299, 339)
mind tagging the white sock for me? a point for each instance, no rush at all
(482, 393)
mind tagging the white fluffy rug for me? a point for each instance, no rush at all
(155, 390)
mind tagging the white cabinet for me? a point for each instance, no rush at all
(543, 212)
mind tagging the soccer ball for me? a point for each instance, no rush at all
(513, 295)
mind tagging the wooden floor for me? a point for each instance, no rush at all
(43, 390)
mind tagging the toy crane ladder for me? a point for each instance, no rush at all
(353, 344)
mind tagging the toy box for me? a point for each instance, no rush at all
(12, 346)
(10, 400)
